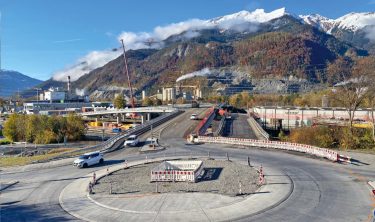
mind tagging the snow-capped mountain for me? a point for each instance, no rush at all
(319, 21)
(357, 29)
(257, 16)
(351, 22)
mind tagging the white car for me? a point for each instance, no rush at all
(89, 159)
(132, 140)
(193, 117)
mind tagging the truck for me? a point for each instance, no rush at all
(194, 104)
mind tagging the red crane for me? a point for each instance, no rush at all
(127, 74)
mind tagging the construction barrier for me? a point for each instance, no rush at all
(206, 121)
(312, 150)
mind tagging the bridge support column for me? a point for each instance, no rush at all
(118, 119)
(148, 116)
(142, 118)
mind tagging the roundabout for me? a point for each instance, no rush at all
(186, 205)
(297, 188)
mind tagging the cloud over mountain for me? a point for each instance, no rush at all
(243, 21)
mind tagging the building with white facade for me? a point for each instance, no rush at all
(169, 94)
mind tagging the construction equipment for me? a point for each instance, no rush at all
(133, 115)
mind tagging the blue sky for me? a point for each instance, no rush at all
(40, 37)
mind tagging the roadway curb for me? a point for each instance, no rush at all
(70, 192)
(11, 183)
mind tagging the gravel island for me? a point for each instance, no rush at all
(219, 176)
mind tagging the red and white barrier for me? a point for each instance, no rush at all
(313, 150)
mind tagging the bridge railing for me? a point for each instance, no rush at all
(116, 141)
(131, 110)
(221, 127)
(312, 150)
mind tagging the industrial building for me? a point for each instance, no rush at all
(57, 100)
(292, 117)
(179, 170)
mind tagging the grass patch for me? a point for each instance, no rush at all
(24, 160)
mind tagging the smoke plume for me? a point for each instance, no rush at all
(203, 72)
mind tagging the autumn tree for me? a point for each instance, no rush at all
(351, 87)
(119, 101)
(147, 102)
(75, 127)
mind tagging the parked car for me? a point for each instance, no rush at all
(116, 130)
(89, 159)
(132, 140)
(194, 116)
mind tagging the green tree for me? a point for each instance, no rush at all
(75, 127)
(119, 101)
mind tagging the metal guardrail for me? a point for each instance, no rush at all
(312, 150)
(140, 129)
(157, 109)
(221, 126)
(109, 145)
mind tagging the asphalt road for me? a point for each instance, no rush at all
(323, 191)
(238, 127)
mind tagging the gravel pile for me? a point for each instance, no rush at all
(222, 177)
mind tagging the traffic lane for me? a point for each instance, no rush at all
(321, 188)
(268, 158)
(241, 128)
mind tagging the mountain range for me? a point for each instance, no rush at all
(12, 82)
(276, 45)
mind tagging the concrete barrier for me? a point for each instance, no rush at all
(258, 129)
(312, 150)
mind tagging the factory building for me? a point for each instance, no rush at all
(292, 117)
(57, 100)
(169, 94)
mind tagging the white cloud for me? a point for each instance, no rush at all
(86, 64)
(240, 22)
(370, 33)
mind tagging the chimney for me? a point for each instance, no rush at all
(68, 83)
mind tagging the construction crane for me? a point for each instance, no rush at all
(127, 75)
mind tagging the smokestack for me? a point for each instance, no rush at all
(68, 83)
